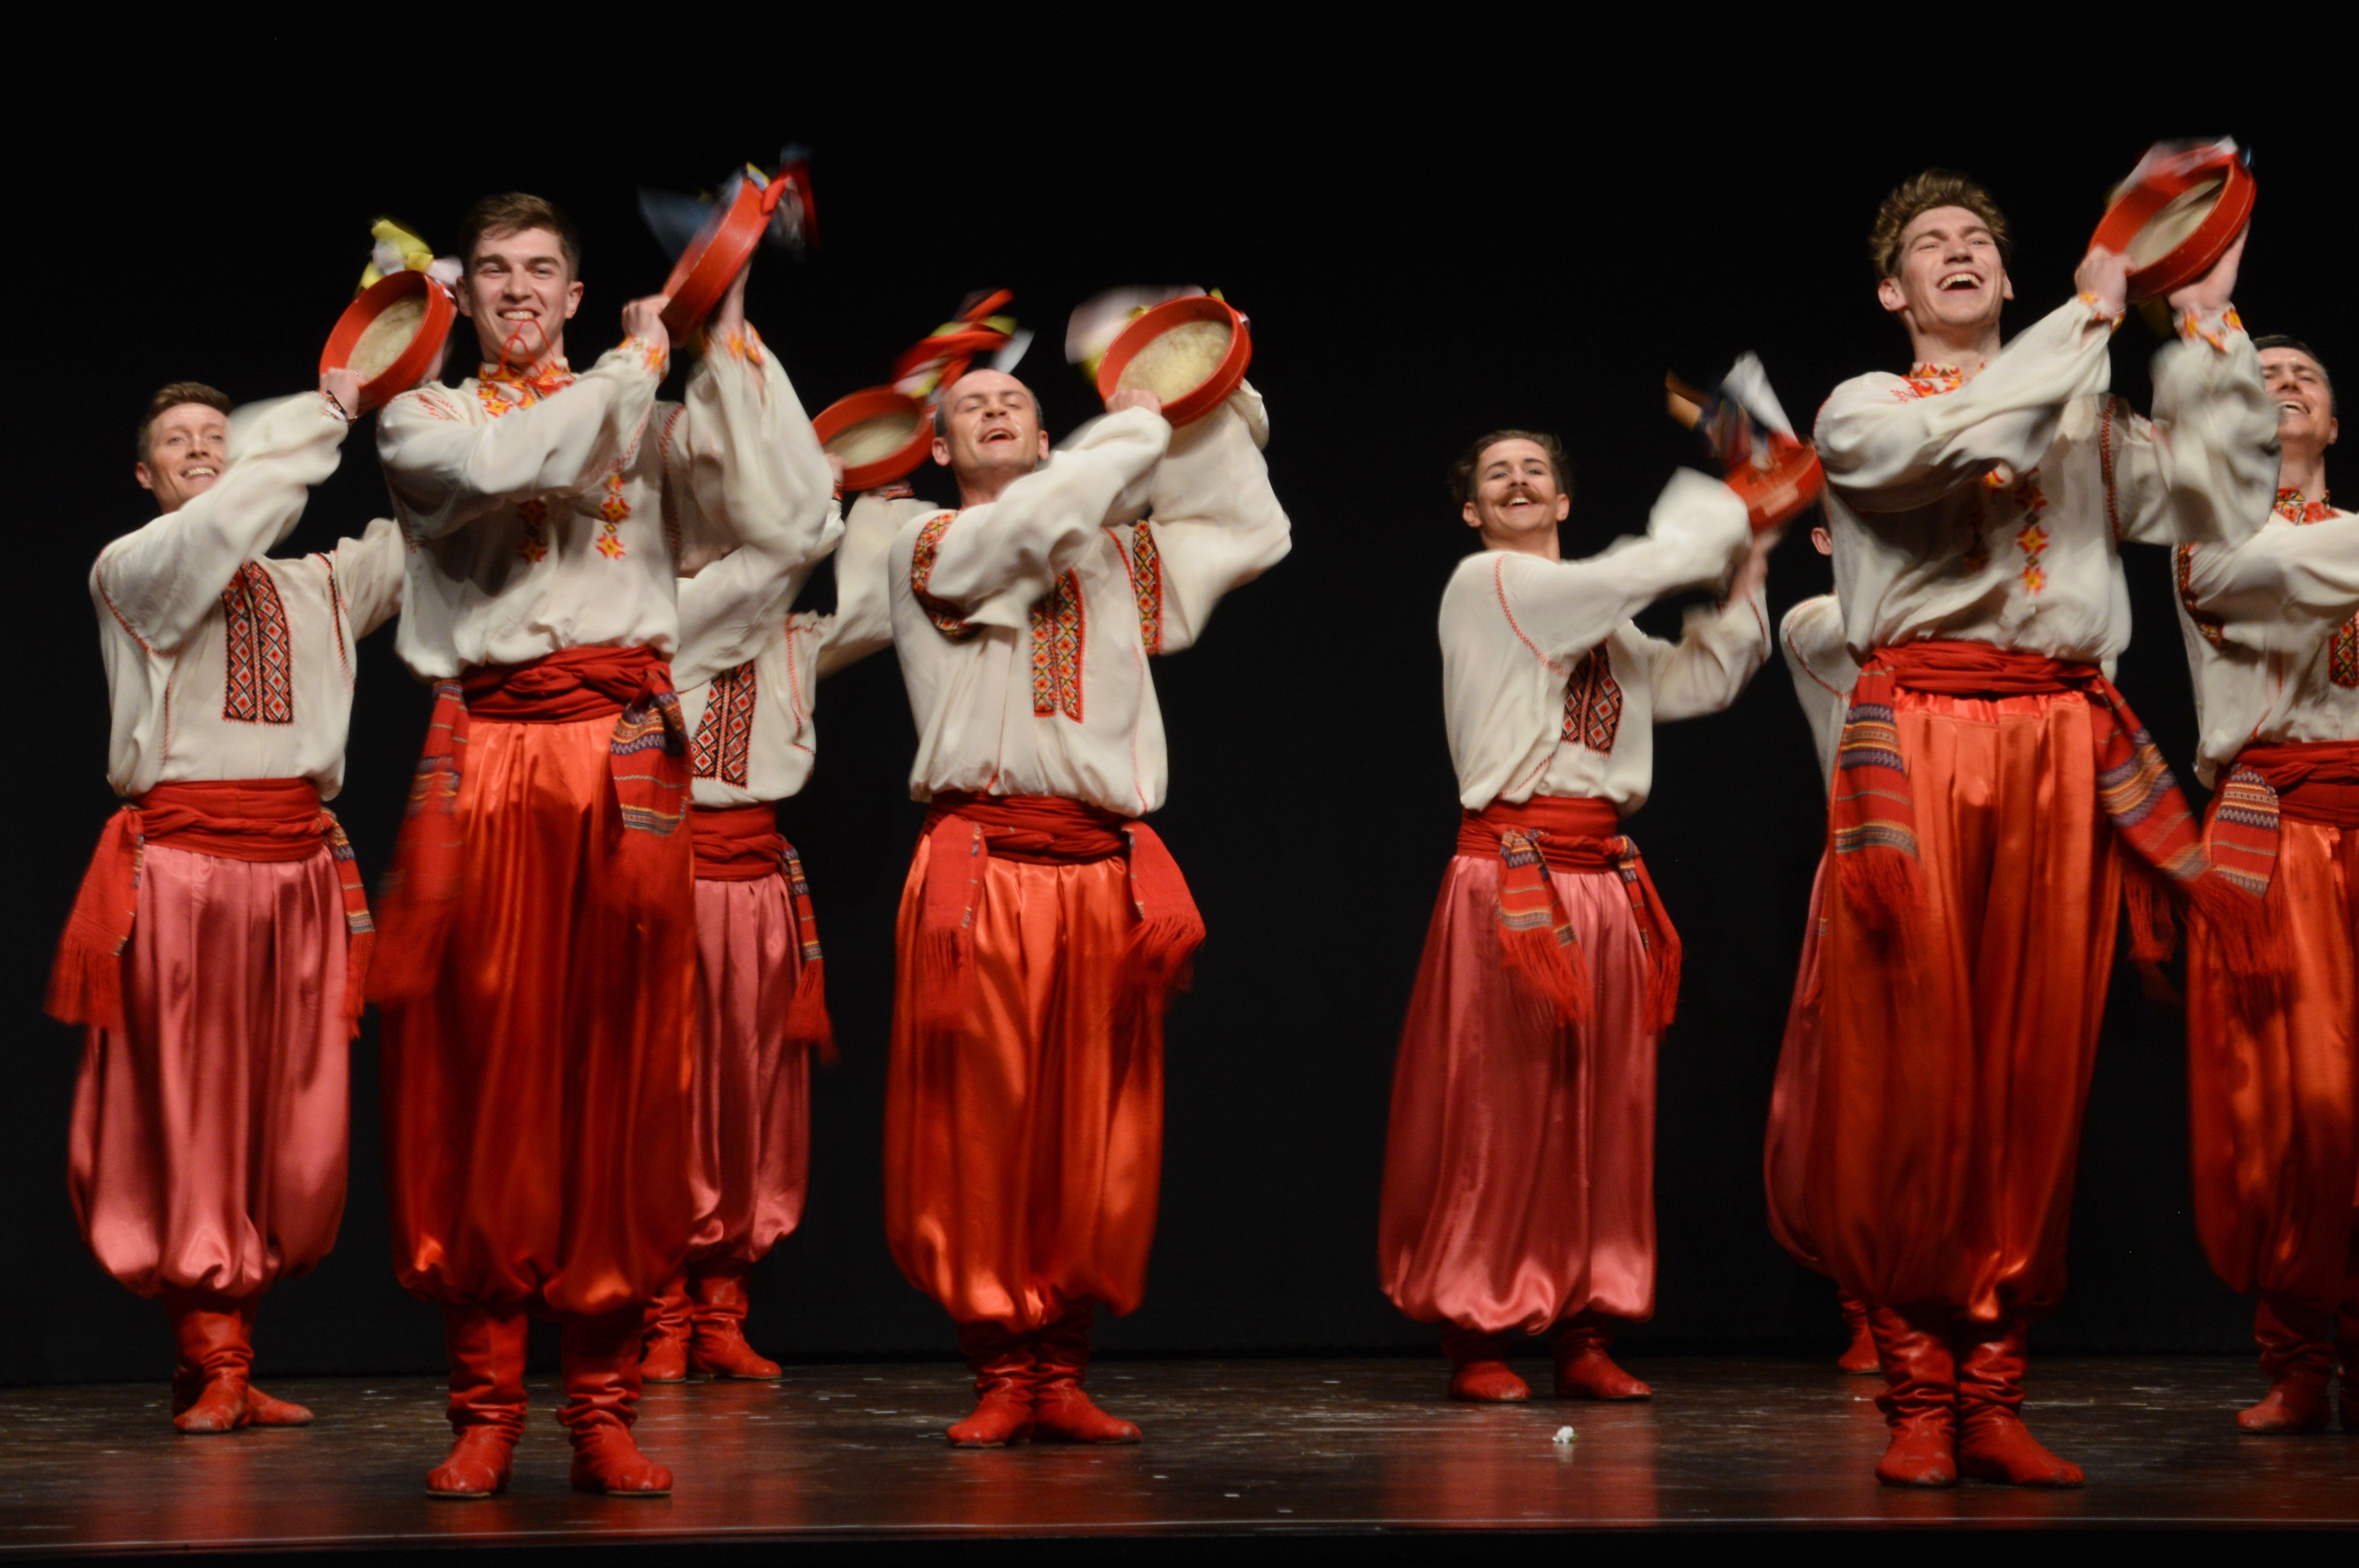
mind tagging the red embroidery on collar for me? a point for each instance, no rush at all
(501, 389)
(1931, 380)
(2293, 509)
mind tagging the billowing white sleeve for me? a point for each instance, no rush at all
(1718, 651)
(742, 463)
(2205, 466)
(1822, 671)
(1695, 536)
(1213, 521)
(446, 467)
(1889, 451)
(161, 581)
(862, 622)
(993, 560)
(368, 573)
(2280, 591)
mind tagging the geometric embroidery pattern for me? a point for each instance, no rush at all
(2342, 648)
(1057, 636)
(2033, 540)
(257, 690)
(724, 736)
(1146, 564)
(2207, 626)
(941, 611)
(1592, 702)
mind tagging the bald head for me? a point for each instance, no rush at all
(988, 432)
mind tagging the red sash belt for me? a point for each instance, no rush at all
(1568, 833)
(743, 844)
(966, 830)
(2314, 781)
(1875, 815)
(235, 819)
(648, 759)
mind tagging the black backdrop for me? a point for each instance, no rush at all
(1411, 281)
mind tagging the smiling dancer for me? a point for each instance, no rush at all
(217, 948)
(1519, 1167)
(748, 672)
(1811, 637)
(1992, 784)
(1044, 922)
(541, 933)
(2272, 631)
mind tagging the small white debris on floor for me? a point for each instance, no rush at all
(1563, 1434)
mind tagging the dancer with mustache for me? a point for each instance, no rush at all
(541, 933)
(216, 950)
(1518, 1188)
(2272, 631)
(1044, 923)
(1992, 788)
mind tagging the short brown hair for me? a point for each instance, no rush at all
(1913, 198)
(1462, 472)
(171, 397)
(2281, 341)
(512, 213)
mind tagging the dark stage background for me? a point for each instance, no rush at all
(1411, 282)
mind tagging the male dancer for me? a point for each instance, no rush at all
(1519, 1166)
(217, 947)
(1990, 778)
(540, 924)
(1811, 636)
(1043, 923)
(748, 672)
(2272, 628)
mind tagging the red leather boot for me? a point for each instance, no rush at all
(664, 1358)
(485, 1347)
(717, 1346)
(208, 1388)
(1002, 1363)
(1479, 1370)
(600, 1357)
(1583, 1370)
(1061, 1412)
(261, 1410)
(1860, 1359)
(1920, 1397)
(1993, 1442)
(2297, 1359)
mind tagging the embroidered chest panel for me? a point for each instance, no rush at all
(941, 611)
(1146, 564)
(1592, 702)
(724, 742)
(2342, 648)
(258, 688)
(2207, 626)
(1057, 639)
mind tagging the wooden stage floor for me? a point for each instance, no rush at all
(1262, 1452)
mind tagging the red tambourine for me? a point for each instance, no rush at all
(722, 247)
(1774, 491)
(393, 334)
(2177, 215)
(892, 430)
(1193, 399)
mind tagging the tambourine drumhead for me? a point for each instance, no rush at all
(392, 335)
(879, 434)
(2176, 216)
(713, 259)
(1189, 352)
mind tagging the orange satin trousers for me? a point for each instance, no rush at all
(1024, 1151)
(1950, 1091)
(537, 1101)
(2274, 1102)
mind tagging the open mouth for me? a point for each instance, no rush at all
(203, 470)
(1960, 282)
(2297, 410)
(996, 434)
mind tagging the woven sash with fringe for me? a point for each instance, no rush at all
(965, 831)
(1566, 833)
(236, 819)
(1873, 820)
(743, 844)
(647, 759)
(2309, 781)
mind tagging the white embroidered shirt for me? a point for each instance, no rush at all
(1823, 672)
